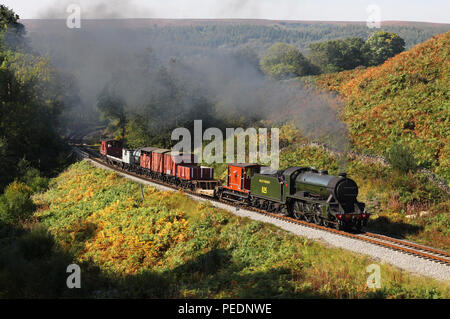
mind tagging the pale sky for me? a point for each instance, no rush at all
(343, 10)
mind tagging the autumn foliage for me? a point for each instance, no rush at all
(404, 101)
(166, 245)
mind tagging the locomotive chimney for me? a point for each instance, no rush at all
(343, 174)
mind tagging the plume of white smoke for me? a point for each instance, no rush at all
(97, 9)
(100, 51)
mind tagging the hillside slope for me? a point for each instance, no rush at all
(405, 100)
(133, 242)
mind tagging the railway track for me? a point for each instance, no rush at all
(406, 247)
(403, 246)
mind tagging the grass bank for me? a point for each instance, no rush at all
(166, 245)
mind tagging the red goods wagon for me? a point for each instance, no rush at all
(146, 160)
(157, 162)
(193, 172)
(239, 176)
(173, 159)
(146, 157)
(111, 148)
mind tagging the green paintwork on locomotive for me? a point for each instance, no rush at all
(267, 186)
(295, 182)
(313, 183)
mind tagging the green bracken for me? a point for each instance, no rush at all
(193, 250)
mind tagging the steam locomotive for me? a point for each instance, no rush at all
(301, 192)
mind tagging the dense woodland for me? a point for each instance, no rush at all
(33, 95)
(259, 37)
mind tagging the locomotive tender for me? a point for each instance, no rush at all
(304, 193)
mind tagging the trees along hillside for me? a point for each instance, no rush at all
(403, 101)
(381, 46)
(31, 99)
(338, 55)
(347, 54)
(283, 61)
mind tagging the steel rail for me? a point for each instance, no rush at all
(407, 243)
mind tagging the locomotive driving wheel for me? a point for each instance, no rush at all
(298, 215)
(317, 219)
(308, 218)
(297, 210)
(310, 213)
(265, 205)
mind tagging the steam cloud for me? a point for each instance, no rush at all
(101, 50)
(113, 9)
(97, 9)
